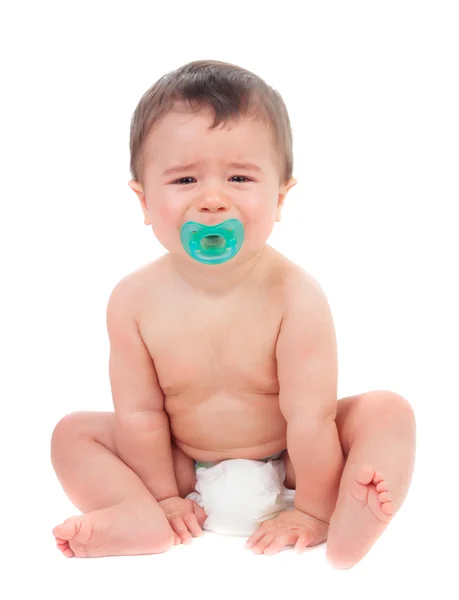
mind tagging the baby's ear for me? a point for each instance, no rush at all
(138, 189)
(291, 183)
(282, 194)
(285, 187)
(136, 186)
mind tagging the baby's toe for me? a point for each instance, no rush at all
(387, 508)
(382, 487)
(64, 547)
(384, 497)
(68, 529)
(378, 478)
(365, 475)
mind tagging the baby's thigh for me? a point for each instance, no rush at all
(100, 427)
(290, 478)
(79, 426)
(185, 473)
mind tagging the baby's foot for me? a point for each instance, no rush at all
(124, 529)
(362, 513)
(372, 493)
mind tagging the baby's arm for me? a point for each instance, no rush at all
(307, 370)
(141, 432)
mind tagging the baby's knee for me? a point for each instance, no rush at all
(67, 429)
(382, 403)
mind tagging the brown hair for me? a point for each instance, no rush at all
(229, 90)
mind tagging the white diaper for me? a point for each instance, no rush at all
(239, 494)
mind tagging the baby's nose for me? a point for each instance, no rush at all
(214, 201)
(213, 208)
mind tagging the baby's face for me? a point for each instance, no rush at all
(193, 173)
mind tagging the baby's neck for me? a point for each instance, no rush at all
(218, 281)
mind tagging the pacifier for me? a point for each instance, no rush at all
(212, 244)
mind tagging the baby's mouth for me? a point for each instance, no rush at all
(212, 241)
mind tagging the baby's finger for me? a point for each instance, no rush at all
(254, 538)
(301, 543)
(192, 524)
(200, 514)
(181, 529)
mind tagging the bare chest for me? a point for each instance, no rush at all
(209, 349)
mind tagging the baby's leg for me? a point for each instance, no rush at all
(122, 517)
(378, 434)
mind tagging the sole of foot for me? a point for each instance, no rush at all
(362, 513)
(124, 529)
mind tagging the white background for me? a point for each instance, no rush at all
(372, 92)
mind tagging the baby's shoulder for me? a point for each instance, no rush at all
(291, 277)
(136, 287)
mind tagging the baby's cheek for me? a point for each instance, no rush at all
(169, 219)
(263, 222)
(165, 224)
(165, 212)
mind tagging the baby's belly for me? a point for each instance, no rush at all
(223, 426)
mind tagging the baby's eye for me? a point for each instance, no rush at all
(181, 179)
(241, 177)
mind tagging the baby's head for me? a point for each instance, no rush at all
(209, 142)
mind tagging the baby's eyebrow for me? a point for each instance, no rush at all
(245, 165)
(236, 165)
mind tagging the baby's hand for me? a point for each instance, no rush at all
(289, 528)
(185, 517)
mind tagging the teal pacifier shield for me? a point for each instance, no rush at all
(212, 244)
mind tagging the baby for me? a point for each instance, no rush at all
(225, 350)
